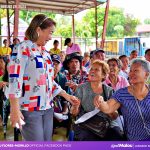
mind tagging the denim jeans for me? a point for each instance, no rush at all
(38, 125)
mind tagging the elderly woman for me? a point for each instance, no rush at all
(86, 93)
(134, 102)
(31, 82)
(113, 79)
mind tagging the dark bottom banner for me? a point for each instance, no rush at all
(74, 145)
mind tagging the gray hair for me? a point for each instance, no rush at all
(144, 63)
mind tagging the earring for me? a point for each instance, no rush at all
(38, 34)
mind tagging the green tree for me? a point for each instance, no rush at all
(147, 21)
(64, 26)
(3, 13)
(119, 29)
(116, 18)
(130, 25)
(28, 15)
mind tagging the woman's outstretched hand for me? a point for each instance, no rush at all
(98, 101)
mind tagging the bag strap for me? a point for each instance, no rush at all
(104, 93)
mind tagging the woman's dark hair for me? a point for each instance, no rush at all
(122, 56)
(147, 51)
(119, 63)
(5, 40)
(56, 41)
(41, 21)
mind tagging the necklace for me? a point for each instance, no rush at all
(141, 115)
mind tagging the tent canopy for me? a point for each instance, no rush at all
(66, 7)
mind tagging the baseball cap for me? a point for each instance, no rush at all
(56, 58)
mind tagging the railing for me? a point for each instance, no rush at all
(111, 47)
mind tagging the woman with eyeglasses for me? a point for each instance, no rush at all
(31, 82)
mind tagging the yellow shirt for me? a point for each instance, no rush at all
(5, 51)
(53, 51)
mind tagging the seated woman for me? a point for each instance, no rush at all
(86, 93)
(134, 102)
(113, 79)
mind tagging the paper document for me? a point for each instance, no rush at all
(22, 123)
(60, 116)
(87, 116)
(6, 91)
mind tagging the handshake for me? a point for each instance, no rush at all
(98, 101)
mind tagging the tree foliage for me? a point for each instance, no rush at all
(118, 24)
(147, 21)
(28, 15)
(130, 25)
(116, 18)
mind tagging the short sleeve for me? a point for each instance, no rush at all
(56, 89)
(78, 48)
(118, 95)
(79, 93)
(16, 68)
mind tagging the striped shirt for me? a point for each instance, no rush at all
(132, 119)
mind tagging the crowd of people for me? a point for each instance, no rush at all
(51, 88)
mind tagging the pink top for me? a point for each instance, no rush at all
(122, 82)
(73, 48)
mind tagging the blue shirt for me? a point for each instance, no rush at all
(134, 126)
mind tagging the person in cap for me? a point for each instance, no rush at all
(71, 47)
(99, 54)
(74, 71)
(60, 104)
